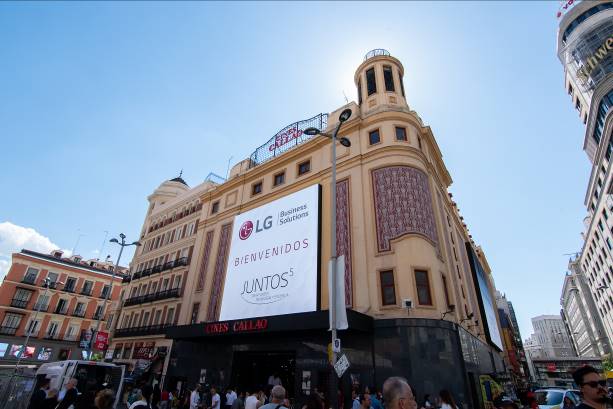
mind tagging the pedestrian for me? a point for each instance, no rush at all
(592, 387)
(144, 401)
(448, 402)
(215, 399)
(365, 401)
(355, 399)
(374, 402)
(156, 396)
(40, 394)
(51, 400)
(164, 399)
(314, 401)
(194, 400)
(69, 397)
(397, 394)
(427, 404)
(277, 397)
(568, 404)
(105, 399)
(262, 398)
(230, 397)
(239, 402)
(251, 401)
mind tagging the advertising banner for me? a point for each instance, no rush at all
(486, 303)
(86, 339)
(102, 341)
(143, 350)
(273, 261)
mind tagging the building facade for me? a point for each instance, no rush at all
(585, 48)
(550, 338)
(514, 354)
(581, 317)
(404, 242)
(57, 316)
(152, 297)
(558, 371)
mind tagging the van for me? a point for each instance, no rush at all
(91, 376)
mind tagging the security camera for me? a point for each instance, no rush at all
(407, 303)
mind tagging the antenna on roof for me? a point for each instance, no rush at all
(181, 173)
(106, 234)
(346, 100)
(77, 243)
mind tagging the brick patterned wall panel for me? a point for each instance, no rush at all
(220, 269)
(208, 243)
(403, 205)
(343, 236)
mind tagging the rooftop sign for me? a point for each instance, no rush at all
(287, 138)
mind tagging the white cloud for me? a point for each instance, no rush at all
(13, 238)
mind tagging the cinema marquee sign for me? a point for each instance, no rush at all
(241, 326)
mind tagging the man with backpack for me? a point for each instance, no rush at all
(277, 395)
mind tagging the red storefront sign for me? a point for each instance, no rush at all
(551, 367)
(236, 326)
(102, 341)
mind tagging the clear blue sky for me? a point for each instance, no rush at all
(101, 102)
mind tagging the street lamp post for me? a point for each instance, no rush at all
(106, 296)
(343, 117)
(46, 284)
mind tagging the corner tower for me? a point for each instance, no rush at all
(379, 82)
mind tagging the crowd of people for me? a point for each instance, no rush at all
(395, 394)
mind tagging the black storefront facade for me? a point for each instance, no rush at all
(431, 354)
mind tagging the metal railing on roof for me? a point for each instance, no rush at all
(286, 139)
(376, 52)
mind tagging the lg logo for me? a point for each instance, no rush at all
(247, 227)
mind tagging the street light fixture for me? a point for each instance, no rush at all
(106, 296)
(343, 117)
(46, 285)
(450, 309)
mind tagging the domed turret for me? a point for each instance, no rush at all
(167, 191)
(379, 81)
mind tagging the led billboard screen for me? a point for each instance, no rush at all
(486, 303)
(273, 261)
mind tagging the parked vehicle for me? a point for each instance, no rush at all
(92, 377)
(553, 398)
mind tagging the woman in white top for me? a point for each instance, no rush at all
(448, 402)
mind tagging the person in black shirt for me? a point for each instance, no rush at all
(593, 387)
(38, 397)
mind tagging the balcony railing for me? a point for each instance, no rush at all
(19, 303)
(145, 330)
(97, 317)
(126, 279)
(41, 307)
(29, 280)
(4, 330)
(69, 289)
(160, 295)
(169, 265)
(86, 292)
(79, 314)
(52, 336)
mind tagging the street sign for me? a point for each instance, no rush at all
(341, 365)
(336, 347)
